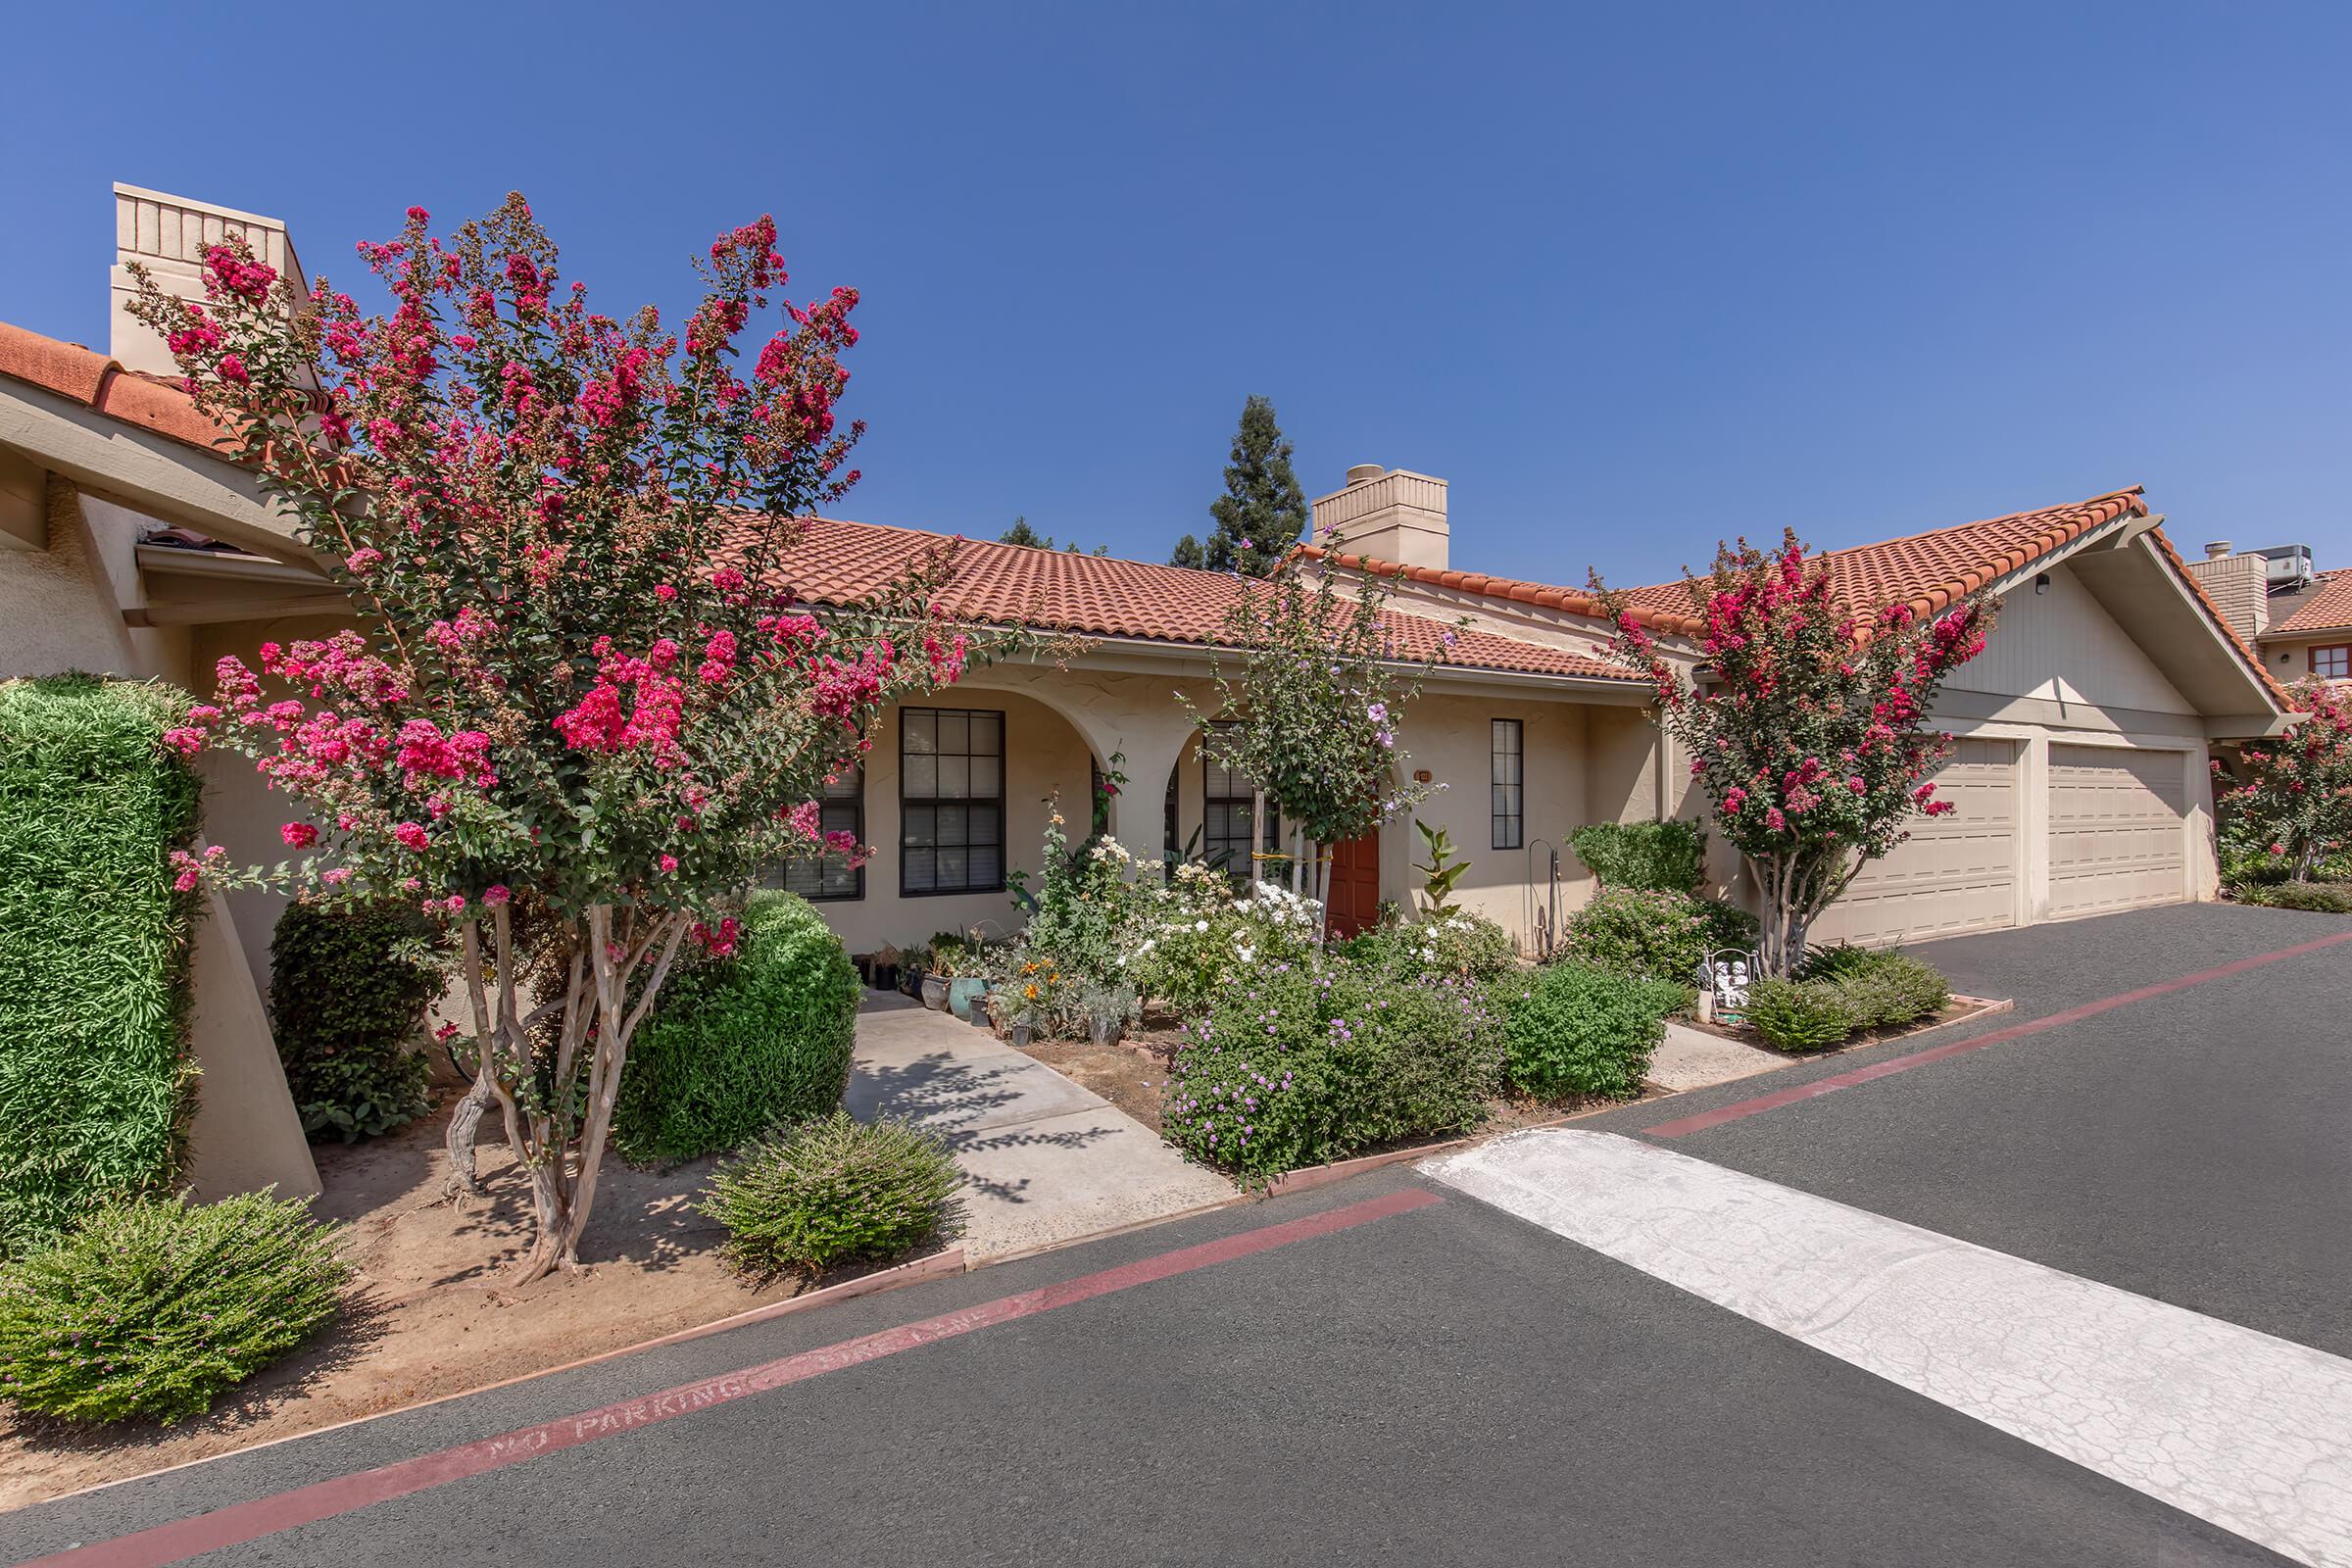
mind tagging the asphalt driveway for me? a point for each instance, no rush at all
(1390, 1369)
(2194, 1147)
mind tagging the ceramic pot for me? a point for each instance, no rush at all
(935, 991)
(962, 992)
(1105, 1031)
(1021, 1035)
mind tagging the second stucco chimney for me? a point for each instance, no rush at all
(2237, 585)
(1388, 514)
(2217, 550)
(165, 233)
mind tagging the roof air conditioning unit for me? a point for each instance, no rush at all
(2288, 568)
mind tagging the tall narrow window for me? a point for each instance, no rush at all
(1509, 783)
(950, 800)
(841, 810)
(1227, 800)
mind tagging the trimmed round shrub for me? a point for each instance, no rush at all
(1456, 942)
(2325, 897)
(1649, 936)
(1881, 988)
(1655, 856)
(348, 991)
(834, 1191)
(737, 1044)
(154, 1307)
(1577, 1029)
(1800, 1015)
(96, 1084)
(1307, 1063)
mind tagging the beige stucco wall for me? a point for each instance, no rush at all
(247, 1134)
(61, 607)
(2288, 658)
(2062, 646)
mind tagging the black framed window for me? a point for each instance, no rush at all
(950, 800)
(1508, 783)
(841, 810)
(1226, 800)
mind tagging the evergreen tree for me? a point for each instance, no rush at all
(1188, 555)
(1020, 533)
(1262, 511)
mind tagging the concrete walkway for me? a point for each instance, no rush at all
(1693, 1059)
(1044, 1160)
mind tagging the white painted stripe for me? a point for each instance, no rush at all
(2246, 1430)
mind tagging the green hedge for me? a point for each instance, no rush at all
(1655, 856)
(348, 991)
(1582, 1030)
(96, 1084)
(2325, 897)
(736, 1044)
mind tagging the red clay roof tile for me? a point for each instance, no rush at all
(840, 561)
(2329, 610)
(97, 382)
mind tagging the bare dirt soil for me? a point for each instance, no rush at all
(429, 1317)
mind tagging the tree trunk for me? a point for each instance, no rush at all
(464, 1179)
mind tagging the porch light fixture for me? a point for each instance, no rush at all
(2041, 582)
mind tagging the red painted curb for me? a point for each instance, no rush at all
(1705, 1119)
(325, 1500)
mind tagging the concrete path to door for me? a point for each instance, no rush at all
(1044, 1160)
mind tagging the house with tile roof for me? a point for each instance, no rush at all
(129, 545)
(2298, 619)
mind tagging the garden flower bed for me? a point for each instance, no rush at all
(431, 1315)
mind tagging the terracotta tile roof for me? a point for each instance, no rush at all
(2329, 610)
(1548, 596)
(72, 371)
(839, 561)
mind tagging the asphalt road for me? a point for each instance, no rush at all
(1452, 1384)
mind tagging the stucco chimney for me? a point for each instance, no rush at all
(164, 232)
(1387, 513)
(2237, 585)
(2217, 550)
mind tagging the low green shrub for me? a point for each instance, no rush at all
(1577, 1029)
(153, 1307)
(96, 1084)
(348, 991)
(1881, 988)
(737, 1044)
(1456, 943)
(1655, 856)
(2325, 897)
(1311, 1063)
(1645, 933)
(832, 1191)
(1800, 1015)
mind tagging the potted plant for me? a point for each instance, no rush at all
(946, 950)
(967, 986)
(884, 964)
(1111, 1008)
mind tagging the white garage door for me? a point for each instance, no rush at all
(2115, 838)
(1957, 872)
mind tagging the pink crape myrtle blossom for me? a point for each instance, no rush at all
(1809, 734)
(579, 712)
(2289, 799)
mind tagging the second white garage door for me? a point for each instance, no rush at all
(2116, 835)
(1957, 872)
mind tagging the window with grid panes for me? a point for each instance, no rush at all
(1508, 784)
(1227, 800)
(950, 800)
(841, 810)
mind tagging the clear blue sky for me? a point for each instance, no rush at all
(1629, 276)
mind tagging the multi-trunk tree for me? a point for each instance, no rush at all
(577, 713)
(1805, 725)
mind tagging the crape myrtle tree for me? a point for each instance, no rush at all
(1312, 684)
(2292, 806)
(576, 700)
(1807, 727)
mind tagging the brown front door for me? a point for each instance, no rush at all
(1355, 904)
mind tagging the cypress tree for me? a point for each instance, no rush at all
(1262, 511)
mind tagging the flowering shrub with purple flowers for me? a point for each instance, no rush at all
(1314, 1062)
(154, 1307)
